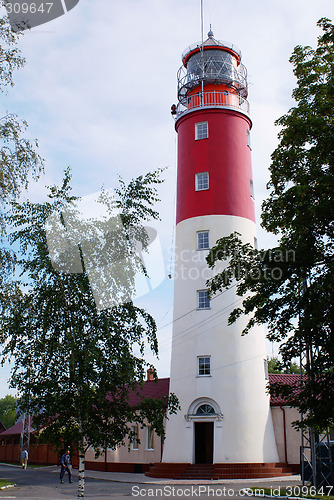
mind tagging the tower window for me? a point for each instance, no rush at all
(249, 139)
(201, 131)
(202, 181)
(252, 188)
(204, 365)
(203, 240)
(266, 371)
(203, 301)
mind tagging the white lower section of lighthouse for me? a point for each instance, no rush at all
(228, 391)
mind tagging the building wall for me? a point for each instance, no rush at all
(42, 454)
(288, 445)
(125, 458)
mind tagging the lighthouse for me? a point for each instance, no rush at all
(218, 375)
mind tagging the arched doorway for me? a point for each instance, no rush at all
(204, 435)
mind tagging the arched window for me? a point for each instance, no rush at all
(205, 410)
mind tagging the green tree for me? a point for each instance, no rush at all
(18, 156)
(8, 410)
(291, 287)
(276, 366)
(76, 359)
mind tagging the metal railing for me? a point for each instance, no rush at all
(221, 72)
(220, 43)
(219, 99)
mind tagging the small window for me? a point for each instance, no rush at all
(252, 188)
(203, 240)
(203, 300)
(202, 181)
(149, 438)
(249, 139)
(266, 373)
(255, 244)
(204, 365)
(134, 441)
(201, 131)
(205, 410)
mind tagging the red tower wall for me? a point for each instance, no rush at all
(225, 155)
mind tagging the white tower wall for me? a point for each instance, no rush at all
(236, 386)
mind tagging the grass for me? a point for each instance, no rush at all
(29, 465)
(294, 491)
(3, 482)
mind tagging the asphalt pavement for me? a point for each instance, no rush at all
(42, 483)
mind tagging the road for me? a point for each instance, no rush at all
(43, 484)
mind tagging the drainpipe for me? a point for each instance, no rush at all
(284, 430)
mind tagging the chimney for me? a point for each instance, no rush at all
(150, 375)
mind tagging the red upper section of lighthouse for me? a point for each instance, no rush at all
(225, 155)
(214, 166)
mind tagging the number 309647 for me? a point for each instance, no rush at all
(28, 8)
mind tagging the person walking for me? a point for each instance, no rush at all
(24, 458)
(65, 466)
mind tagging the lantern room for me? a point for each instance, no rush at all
(212, 75)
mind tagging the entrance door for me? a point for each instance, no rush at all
(203, 442)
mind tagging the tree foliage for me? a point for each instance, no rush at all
(291, 287)
(18, 156)
(8, 410)
(75, 364)
(276, 366)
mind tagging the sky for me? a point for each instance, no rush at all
(99, 82)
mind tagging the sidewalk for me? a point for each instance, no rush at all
(122, 477)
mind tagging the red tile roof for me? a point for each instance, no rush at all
(292, 379)
(15, 429)
(151, 389)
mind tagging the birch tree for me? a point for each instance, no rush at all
(75, 363)
(18, 155)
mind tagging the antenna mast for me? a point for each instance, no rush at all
(202, 38)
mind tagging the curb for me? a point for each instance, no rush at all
(7, 487)
(195, 482)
